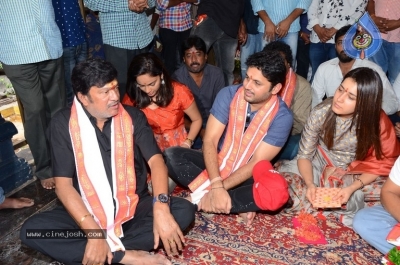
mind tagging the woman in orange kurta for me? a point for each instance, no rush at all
(163, 101)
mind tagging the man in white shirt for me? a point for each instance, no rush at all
(325, 18)
(330, 74)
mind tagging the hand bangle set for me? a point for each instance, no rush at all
(215, 180)
(362, 184)
(84, 217)
(190, 141)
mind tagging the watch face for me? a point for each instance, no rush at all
(163, 198)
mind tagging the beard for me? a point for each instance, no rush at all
(195, 68)
(343, 57)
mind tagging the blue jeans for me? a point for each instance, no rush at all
(290, 39)
(245, 51)
(2, 197)
(388, 58)
(224, 46)
(72, 56)
(320, 53)
(373, 224)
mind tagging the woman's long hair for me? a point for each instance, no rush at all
(366, 115)
(148, 63)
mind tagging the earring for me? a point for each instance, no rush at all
(162, 82)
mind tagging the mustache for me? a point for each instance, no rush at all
(192, 64)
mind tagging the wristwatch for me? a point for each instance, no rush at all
(162, 197)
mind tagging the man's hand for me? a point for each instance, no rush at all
(166, 229)
(282, 28)
(216, 201)
(322, 33)
(97, 251)
(269, 32)
(390, 25)
(137, 6)
(305, 37)
(331, 32)
(380, 22)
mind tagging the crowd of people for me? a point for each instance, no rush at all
(303, 107)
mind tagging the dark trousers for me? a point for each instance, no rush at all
(138, 232)
(41, 89)
(172, 51)
(184, 165)
(224, 46)
(121, 59)
(302, 58)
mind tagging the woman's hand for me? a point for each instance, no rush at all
(310, 194)
(344, 195)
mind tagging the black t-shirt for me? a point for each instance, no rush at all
(226, 13)
(63, 160)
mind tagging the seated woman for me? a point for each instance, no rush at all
(354, 134)
(163, 101)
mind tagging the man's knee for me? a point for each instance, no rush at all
(183, 212)
(362, 222)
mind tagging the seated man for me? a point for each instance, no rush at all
(203, 79)
(98, 131)
(330, 74)
(248, 123)
(296, 94)
(374, 223)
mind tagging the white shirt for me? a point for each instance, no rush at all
(333, 13)
(329, 76)
(395, 172)
(396, 87)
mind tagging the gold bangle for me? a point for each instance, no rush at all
(362, 184)
(84, 217)
(222, 187)
(190, 140)
(215, 180)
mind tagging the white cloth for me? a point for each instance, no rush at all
(329, 76)
(329, 13)
(97, 175)
(395, 172)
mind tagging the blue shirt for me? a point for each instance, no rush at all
(279, 10)
(70, 22)
(28, 32)
(279, 129)
(121, 27)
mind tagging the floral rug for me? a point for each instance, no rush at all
(224, 239)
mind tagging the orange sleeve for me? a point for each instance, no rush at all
(183, 95)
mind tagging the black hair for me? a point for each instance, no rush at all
(282, 47)
(271, 64)
(194, 41)
(341, 32)
(149, 63)
(92, 72)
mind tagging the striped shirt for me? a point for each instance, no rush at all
(176, 18)
(121, 27)
(28, 32)
(279, 10)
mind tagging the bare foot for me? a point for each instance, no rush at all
(48, 183)
(16, 203)
(248, 217)
(139, 257)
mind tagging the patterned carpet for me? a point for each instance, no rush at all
(224, 239)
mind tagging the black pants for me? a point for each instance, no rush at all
(172, 51)
(121, 59)
(138, 232)
(184, 165)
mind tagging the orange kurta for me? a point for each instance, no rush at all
(167, 122)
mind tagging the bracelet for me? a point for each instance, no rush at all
(362, 184)
(222, 187)
(84, 217)
(185, 143)
(190, 140)
(215, 180)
